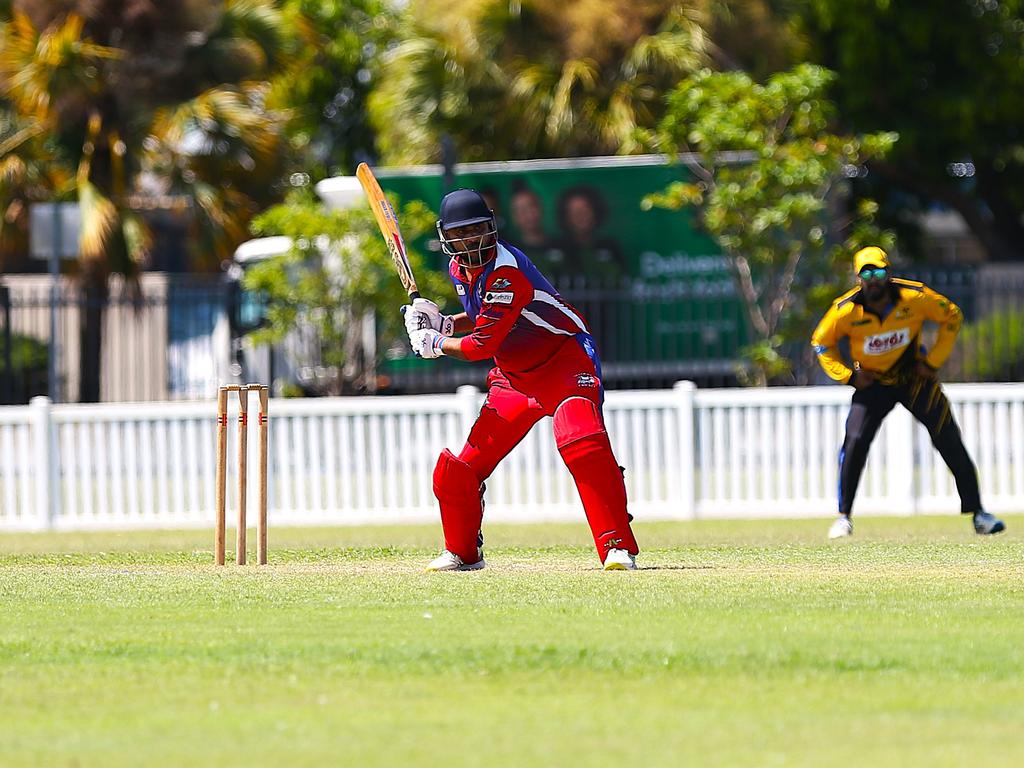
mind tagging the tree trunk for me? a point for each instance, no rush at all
(95, 290)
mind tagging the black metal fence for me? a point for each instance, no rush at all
(991, 344)
(23, 358)
(174, 338)
(158, 339)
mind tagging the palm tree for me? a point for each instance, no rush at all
(533, 79)
(530, 78)
(137, 101)
(28, 172)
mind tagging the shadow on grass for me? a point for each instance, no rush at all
(678, 567)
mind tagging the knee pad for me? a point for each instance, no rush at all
(575, 419)
(455, 480)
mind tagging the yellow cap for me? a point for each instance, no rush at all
(872, 256)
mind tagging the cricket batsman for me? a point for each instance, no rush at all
(882, 318)
(546, 364)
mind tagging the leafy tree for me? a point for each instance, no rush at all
(27, 172)
(338, 273)
(531, 78)
(948, 78)
(117, 102)
(326, 92)
(767, 174)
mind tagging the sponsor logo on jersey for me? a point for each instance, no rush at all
(460, 289)
(498, 297)
(586, 380)
(903, 312)
(882, 343)
(499, 284)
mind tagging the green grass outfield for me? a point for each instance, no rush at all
(739, 643)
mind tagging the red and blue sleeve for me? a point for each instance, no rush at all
(506, 293)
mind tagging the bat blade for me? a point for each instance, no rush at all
(387, 220)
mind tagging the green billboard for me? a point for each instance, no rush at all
(655, 290)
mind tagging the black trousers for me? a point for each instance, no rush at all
(925, 399)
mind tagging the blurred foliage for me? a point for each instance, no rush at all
(28, 372)
(126, 107)
(337, 272)
(758, 37)
(765, 362)
(996, 347)
(27, 173)
(531, 79)
(948, 78)
(27, 353)
(769, 177)
(325, 93)
(134, 101)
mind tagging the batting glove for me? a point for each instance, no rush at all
(426, 342)
(423, 313)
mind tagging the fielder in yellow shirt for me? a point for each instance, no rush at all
(882, 318)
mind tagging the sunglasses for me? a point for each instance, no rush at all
(869, 273)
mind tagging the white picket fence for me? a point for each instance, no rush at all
(688, 454)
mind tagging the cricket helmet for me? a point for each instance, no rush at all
(462, 208)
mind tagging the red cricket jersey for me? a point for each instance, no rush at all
(520, 319)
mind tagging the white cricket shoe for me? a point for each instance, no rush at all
(449, 561)
(841, 528)
(619, 560)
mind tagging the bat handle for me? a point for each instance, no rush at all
(413, 295)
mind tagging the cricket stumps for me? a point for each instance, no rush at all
(263, 394)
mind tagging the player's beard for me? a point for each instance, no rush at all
(875, 291)
(480, 254)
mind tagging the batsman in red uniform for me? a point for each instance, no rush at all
(546, 364)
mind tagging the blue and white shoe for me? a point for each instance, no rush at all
(985, 523)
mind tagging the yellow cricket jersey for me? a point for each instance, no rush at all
(880, 344)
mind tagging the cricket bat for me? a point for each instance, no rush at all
(384, 213)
